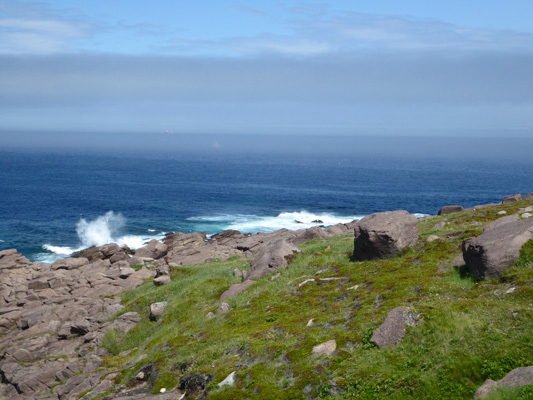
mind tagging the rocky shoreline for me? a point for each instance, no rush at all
(53, 318)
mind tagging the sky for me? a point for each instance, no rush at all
(366, 67)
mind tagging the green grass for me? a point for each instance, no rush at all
(468, 331)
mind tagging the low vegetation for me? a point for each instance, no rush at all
(467, 332)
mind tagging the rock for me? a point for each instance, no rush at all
(528, 196)
(450, 209)
(324, 348)
(497, 248)
(392, 330)
(516, 378)
(210, 315)
(384, 235)
(229, 381)
(126, 322)
(154, 249)
(195, 384)
(126, 272)
(432, 238)
(503, 212)
(306, 282)
(162, 277)
(234, 290)
(512, 199)
(157, 309)
(526, 215)
(439, 225)
(70, 263)
(237, 272)
(309, 234)
(119, 256)
(270, 257)
(135, 261)
(223, 309)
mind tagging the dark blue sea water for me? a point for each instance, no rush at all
(55, 201)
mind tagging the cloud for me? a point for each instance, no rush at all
(35, 29)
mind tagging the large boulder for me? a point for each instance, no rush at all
(270, 257)
(450, 209)
(384, 235)
(512, 199)
(391, 332)
(516, 378)
(498, 247)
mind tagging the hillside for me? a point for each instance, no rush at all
(466, 331)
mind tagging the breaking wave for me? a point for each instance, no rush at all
(255, 223)
(107, 228)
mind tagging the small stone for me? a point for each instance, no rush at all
(526, 215)
(237, 272)
(229, 381)
(157, 309)
(210, 315)
(325, 348)
(305, 282)
(503, 212)
(355, 287)
(310, 323)
(275, 276)
(223, 308)
(432, 238)
(163, 390)
(510, 290)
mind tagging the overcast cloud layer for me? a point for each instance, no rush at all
(320, 72)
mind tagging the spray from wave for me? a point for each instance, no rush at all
(107, 228)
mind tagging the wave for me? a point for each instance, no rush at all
(105, 229)
(255, 223)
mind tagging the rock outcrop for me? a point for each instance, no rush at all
(53, 318)
(384, 235)
(498, 247)
(512, 199)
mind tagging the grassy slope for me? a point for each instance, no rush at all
(468, 331)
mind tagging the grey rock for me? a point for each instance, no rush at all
(157, 309)
(162, 277)
(528, 196)
(119, 256)
(384, 235)
(229, 380)
(392, 330)
(309, 234)
(126, 272)
(432, 238)
(154, 249)
(223, 309)
(326, 348)
(270, 257)
(512, 199)
(70, 263)
(497, 248)
(450, 209)
(516, 378)
(234, 290)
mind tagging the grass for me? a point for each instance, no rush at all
(468, 331)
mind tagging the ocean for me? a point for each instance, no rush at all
(56, 200)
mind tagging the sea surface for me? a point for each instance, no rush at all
(54, 201)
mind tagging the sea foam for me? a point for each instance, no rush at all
(256, 223)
